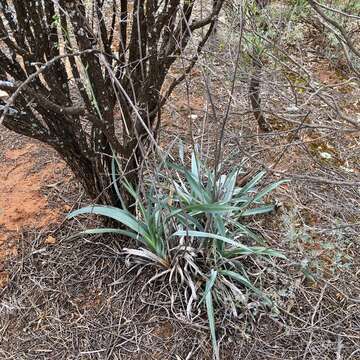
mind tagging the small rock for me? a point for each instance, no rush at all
(193, 117)
(50, 240)
(325, 155)
(4, 279)
(292, 108)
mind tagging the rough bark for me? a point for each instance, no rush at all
(255, 79)
(66, 69)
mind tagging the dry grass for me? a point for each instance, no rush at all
(78, 300)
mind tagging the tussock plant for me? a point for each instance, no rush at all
(190, 224)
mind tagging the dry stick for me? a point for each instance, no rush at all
(336, 25)
(209, 19)
(192, 27)
(318, 179)
(335, 107)
(44, 67)
(351, 65)
(186, 70)
(356, 301)
(343, 45)
(336, 10)
(313, 320)
(305, 126)
(290, 142)
(339, 348)
(118, 84)
(179, 79)
(299, 177)
(71, 110)
(351, 357)
(222, 130)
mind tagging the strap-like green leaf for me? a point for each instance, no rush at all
(209, 284)
(211, 320)
(211, 208)
(106, 231)
(122, 216)
(256, 250)
(258, 210)
(268, 189)
(195, 166)
(229, 185)
(252, 182)
(246, 282)
(200, 234)
(115, 180)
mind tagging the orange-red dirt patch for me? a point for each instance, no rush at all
(23, 174)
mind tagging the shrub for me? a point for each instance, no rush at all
(86, 77)
(190, 225)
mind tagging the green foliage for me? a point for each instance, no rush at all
(56, 21)
(190, 223)
(320, 256)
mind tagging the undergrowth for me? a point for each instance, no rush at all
(191, 225)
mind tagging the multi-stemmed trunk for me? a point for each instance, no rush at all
(92, 88)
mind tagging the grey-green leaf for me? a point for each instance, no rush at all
(122, 216)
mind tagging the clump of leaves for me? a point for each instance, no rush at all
(190, 226)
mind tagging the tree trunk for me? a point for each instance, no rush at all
(65, 67)
(254, 94)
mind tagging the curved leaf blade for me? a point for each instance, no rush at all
(122, 216)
